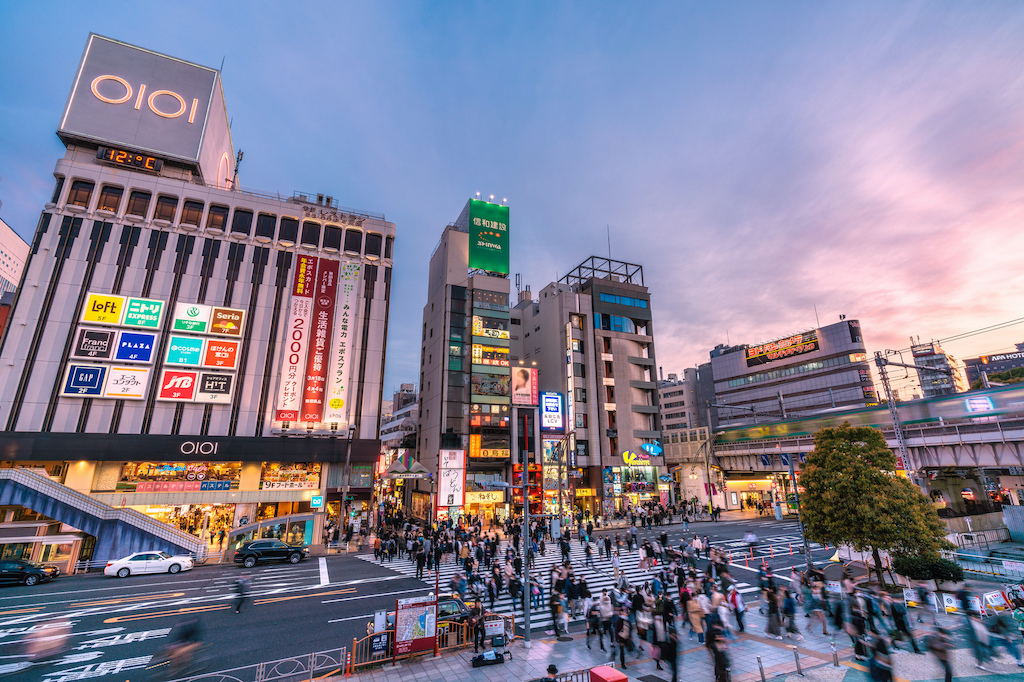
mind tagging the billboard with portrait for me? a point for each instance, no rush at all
(524, 386)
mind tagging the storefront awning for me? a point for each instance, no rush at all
(405, 466)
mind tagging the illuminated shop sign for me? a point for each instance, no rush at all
(781, 349)
(552, 412)
(490, 355)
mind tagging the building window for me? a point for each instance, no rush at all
(623, 300)
(610, 391)
(81, 193)
(138, 203)
(289, 230)
(58, 188)
(607, 369)
(373, 244)
(332, 237)
(310, 233)
(581, 420)
(582, 448)
(389, 245)
(581, 395)
(353, 241)
(265, 223)
(192, 213)
(578, 369)
(217, 218)
(110, 198)
(577, 345)
(607, 345)
(241, 222)
(616, 323)
(166, 207)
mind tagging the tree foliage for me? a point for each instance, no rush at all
(853, 497)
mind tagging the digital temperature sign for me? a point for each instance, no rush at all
(121, 157)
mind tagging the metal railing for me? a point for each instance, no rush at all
(293, 669)
(987, 567)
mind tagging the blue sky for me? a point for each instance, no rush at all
(758, 159)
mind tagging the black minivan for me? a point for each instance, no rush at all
(269, 550)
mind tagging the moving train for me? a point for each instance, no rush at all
(980, 405)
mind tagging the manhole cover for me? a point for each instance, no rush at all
(566, 638)
(650, 678)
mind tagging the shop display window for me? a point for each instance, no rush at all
(141, 477)
(291, 476)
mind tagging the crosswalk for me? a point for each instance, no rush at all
(598, 576)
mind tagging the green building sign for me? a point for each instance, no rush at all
(488, 236)
(143, 312)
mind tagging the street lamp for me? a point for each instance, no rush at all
(343, 525)
(527, 593)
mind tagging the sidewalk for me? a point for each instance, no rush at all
(695, 664)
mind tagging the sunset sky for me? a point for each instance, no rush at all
(758, 159)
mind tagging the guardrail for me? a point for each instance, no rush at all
(292, 669)
(987, 567)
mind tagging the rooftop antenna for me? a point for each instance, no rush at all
(238, 162)
(609, 227)
(519, 286)
(816, 322)
(222, 62)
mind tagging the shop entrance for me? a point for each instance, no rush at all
(202, 520)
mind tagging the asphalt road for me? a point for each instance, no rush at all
(118, 625)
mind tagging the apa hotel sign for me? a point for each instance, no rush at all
(130, 96)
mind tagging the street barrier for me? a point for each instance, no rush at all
(294, 669)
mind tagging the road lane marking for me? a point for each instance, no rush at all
(122, 600)
(377, 594)
(325, 579)
(165, 614)
(271, 600)
(27, 610)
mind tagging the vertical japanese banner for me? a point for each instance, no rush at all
(318, 356)
(296, 338)
(347, 313)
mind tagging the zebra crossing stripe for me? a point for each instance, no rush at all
(598, 577)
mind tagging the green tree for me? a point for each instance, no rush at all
(853, 497)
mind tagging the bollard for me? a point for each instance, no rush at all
(751, 552)
(796, 657)
(746, 560)
(791, 548)
(773, 551)
(761, 668)
(835, 656)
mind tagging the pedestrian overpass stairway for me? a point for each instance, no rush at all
(118, 531)
(598, 577)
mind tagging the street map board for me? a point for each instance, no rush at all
(415, 624)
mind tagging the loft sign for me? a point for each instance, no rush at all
(198, 447)
(165, 103)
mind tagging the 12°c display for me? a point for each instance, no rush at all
(130, 159)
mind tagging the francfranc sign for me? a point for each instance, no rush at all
(151, 101)
(198, 447)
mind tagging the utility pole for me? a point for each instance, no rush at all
(708, 444)
(799, 513)
(348, 482)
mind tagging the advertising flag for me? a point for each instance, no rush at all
(296, 339)
(341, 361)
(318, 354)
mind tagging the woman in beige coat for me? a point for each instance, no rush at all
(696, 615)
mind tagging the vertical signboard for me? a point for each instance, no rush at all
(93, 344)
(296, 340)
(126, 383)
(84, 381)
(488, 236)
(319, 343)
(103, 309)
(524, 386)
(552, 415)
(415, 625)
(347, 308)
(177, 385)
(191, 317)
(451, 488)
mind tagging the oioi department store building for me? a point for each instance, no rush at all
(177, 345)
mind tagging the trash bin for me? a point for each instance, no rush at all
(606, 673)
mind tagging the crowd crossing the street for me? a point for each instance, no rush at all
(638, 598)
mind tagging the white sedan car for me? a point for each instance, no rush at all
(148, 562)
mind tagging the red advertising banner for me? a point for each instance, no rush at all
(325, 289)
(296, 339)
